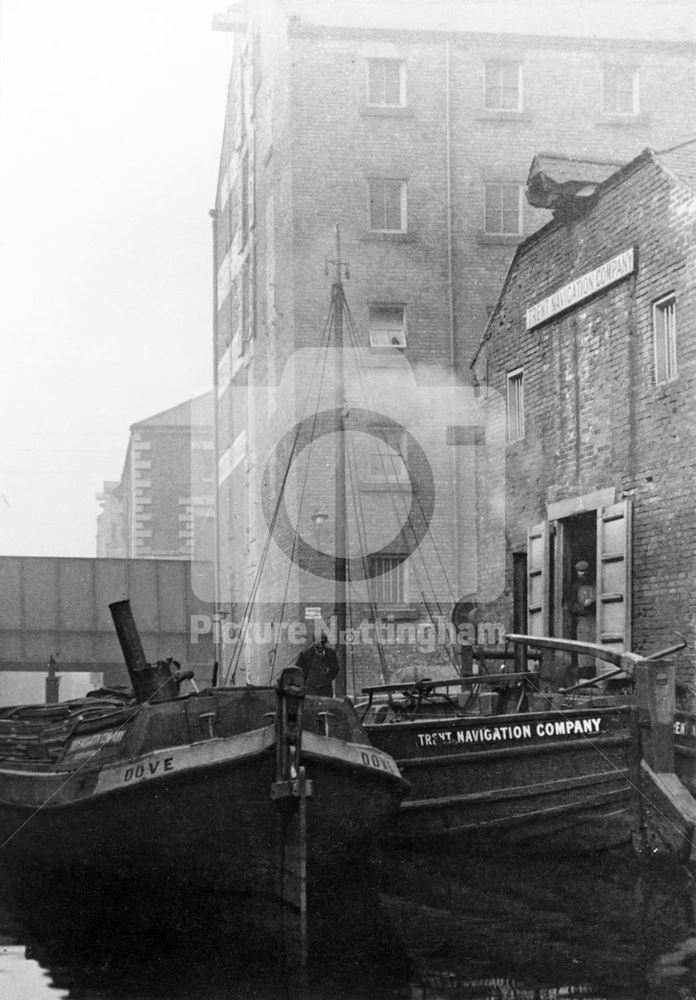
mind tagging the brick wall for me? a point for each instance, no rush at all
(316, 143)
(595, 417)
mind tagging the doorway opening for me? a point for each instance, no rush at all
(519, 605)
(577, 539)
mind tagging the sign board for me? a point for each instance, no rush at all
(581, 288)
(312, 613)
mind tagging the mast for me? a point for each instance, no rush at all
(340, 536)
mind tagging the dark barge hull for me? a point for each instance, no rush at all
(552, 781)
(200, 815)
(129, 831)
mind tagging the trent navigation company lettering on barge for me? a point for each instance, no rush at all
(494, 734)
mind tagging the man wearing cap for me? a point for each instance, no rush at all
(319, 664)
(582, 605)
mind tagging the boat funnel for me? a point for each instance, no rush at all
(150, 683)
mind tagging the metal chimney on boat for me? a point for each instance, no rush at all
(150, 683)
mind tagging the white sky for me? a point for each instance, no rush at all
(111, 119)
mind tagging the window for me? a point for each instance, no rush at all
(665, 333)
(503, 209)
(387, 205)
(620, 90)
(515, 405)
(386, 83)
(387, 325)
(386, 456)
(503, 86)
(388, 575)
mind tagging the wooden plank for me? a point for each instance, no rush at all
(538, 578)
(522, 791)
(619, 658)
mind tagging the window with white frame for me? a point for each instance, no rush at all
(502, 212)
(620, 90)
(387, 326)
(386, 456)
(665, 338)
(503, 85)
(515, 405)
(388, 579)
(386, 83)
(387, 204)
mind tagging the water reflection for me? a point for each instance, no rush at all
(605, 928)
(443, 928)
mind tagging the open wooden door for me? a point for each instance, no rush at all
(538, 579)
(614, 575)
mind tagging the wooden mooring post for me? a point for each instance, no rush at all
(290, 792)
(52, 682)
(667, 810)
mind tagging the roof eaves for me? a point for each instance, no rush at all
(673, 169)
(489, 322)
(636, 163)
(155, 419)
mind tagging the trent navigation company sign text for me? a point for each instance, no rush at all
(582, 288)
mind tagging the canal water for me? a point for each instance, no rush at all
(441, 928)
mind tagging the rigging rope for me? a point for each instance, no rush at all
(402, 515)
(235, 659)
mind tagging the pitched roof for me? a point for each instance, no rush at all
(680, 160)
(193, 412)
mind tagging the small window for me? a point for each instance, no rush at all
(386, 456)
(503, 86)
(387, 205)
(387, 325)
(388, 577)
(665, 333)
(503, 209)
(620, 90)
(386, 83)
(515, 405)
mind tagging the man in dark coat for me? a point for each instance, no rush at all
(319, 664)
(581, 605)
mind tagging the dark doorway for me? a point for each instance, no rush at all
(579, 544)
(519, 605)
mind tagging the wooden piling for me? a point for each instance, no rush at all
(634, 762)
(667, 808)
(290, 792)
(291, 875)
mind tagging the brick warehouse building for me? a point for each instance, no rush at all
(592, 343)
(160, 507)
(411, 126)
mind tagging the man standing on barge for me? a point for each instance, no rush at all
(319, 664)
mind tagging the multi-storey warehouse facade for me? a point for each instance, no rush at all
(410, 126)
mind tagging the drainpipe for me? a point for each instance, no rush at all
(450, 304)
(216, 440)
(448, 175)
